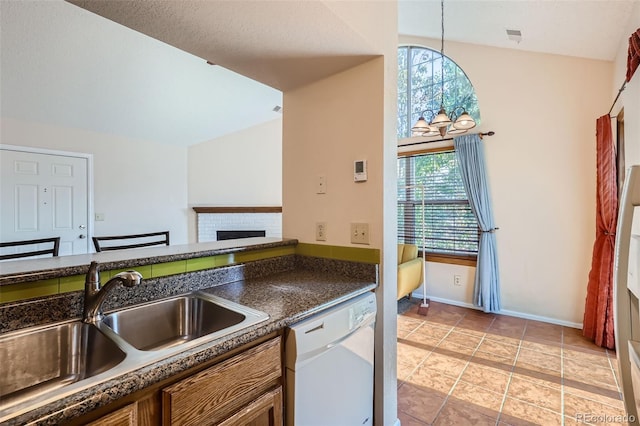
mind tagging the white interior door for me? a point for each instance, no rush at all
(42, 196)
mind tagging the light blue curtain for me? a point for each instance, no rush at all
(470, 155)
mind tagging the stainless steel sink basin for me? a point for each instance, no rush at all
(173, 322)
(45, 359)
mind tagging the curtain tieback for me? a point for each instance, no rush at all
(609, 233)
(492, 230)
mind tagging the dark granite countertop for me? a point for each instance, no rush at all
(27, 270)
(287, 297)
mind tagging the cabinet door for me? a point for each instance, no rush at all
(264, 411)
(125, 416)
(212, 395)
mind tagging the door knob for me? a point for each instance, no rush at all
(82, 227)
(82, 236)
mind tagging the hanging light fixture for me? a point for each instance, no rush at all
(456, 122)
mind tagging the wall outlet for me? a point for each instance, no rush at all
(321, 231)
(360, 233)
(457, 280)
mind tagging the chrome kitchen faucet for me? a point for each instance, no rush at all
(95, 293)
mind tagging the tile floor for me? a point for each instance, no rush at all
(460, 366)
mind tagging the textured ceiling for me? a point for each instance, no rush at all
(64, 65)
(583, 28)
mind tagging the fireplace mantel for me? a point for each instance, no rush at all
(243, 209)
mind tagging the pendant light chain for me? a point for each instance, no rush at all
(442, 54)
(443, 123)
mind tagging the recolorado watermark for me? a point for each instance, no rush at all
(594, 418)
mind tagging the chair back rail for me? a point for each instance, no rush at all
(53, 250)
(162, 240)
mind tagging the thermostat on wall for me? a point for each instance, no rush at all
(360, 171)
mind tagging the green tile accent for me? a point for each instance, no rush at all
(144, 270)
(249, 256)
(200, 263)
(353, 254)
(169, 268)
(22, 291)
(224, 259)
(72, 283)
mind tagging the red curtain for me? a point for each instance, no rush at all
(598, 312)
(633, 58)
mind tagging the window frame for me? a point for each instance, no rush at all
(437, 257)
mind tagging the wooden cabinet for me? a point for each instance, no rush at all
(238, 387)
(125, 416)
(241, 389)
(264, 411)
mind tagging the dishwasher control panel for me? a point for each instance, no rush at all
(361, 311)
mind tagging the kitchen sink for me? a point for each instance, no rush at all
(173, 322)
(42, 360)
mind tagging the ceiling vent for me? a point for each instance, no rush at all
(277, 108)
(514, 35)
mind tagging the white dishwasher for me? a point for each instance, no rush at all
(329, 366)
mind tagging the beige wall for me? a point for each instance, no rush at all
(240, 169)
(541, 166)
(133, 179)
(321, 136)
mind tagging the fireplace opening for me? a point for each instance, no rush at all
(230, 235)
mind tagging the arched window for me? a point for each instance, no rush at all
(443, 220)
(420, 86)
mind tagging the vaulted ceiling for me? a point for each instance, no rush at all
(64, 65)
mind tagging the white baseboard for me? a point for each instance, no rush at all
(505, 312)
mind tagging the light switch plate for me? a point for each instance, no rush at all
(360, 233)
(321, 187)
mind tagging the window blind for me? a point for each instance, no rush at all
(449, 224)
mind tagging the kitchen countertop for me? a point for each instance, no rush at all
(26, 270)
(287, 297)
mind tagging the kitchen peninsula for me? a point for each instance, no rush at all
(286, 280)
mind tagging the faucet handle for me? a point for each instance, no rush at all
(93, 274)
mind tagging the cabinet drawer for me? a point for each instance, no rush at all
(213, 394)
(127, 415)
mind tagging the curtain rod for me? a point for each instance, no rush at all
(617, 96)
(489, 133)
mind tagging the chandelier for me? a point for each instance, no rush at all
(457, 121)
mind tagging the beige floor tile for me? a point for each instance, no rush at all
(456, 364)
(538, 361)
(540, 345)
(464, 339)
(407, 420)
(454, 350)
(514, 341)
(444, 364)
(535, 393)
(603, 396)
(597, 359)
(455, 413)
(549, 380)
(428, 378)
(403, 371)
(498, 348)
(419, 403)
(600, 378)
(494, 361)
(544, 331)
(516, 412)
(485, 377)
(481, 400)
(582, 409)
(411, 354)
